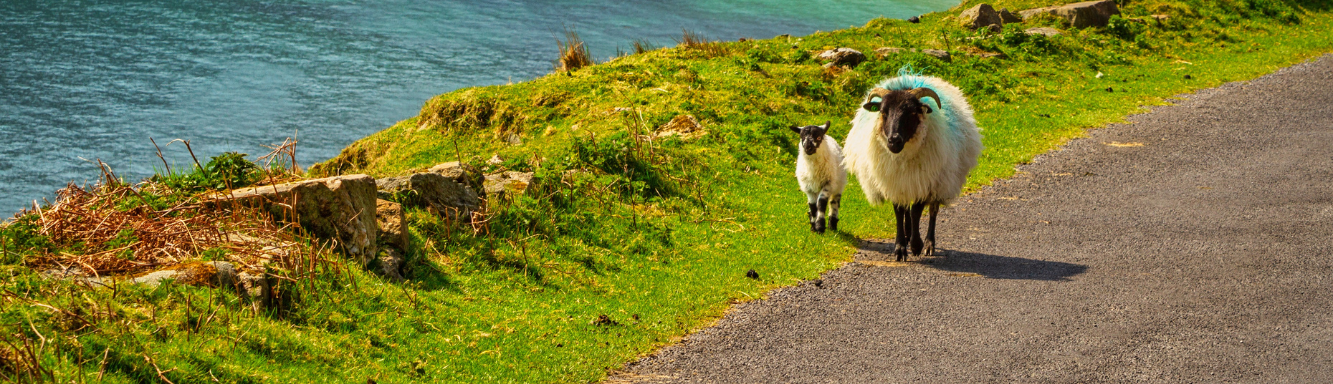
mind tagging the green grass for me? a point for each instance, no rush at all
(656, 235)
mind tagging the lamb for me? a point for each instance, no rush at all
(820, 174)
(911, 153)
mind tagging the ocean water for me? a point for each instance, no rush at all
(82, 80)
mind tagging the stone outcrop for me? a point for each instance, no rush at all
(845, 57)
(980, 16)
(1080, 15)
(1009, 17)
(340, 208)
(433, 191)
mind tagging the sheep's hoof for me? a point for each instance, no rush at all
(917, 246)
(900, 253)
(930, 248)
(833, 224)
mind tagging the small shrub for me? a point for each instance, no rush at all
(573, 53)
(231, 170)
(1123, 28)
(799, 57)
(697, 42)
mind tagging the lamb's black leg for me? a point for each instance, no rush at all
(914, 228)
(900, 242)
(823, 206)
(834, 205)
(930, 230)
(811, 214)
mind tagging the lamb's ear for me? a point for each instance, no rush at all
(827, 124)
(796, 129)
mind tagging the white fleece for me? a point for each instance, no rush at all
(821, 172)
(933, 165)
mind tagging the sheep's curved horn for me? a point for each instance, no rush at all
(926, 92)
(881, 92)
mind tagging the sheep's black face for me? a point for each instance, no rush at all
(812, 136)
(900, 115)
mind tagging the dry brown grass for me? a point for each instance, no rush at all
(573, 53)
(112, 229)
(641, 46)
(19, 362)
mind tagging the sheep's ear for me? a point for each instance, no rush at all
(873, 104)
(926, 109)
(796, 129)
(827, 124)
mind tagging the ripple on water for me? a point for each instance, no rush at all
(95, 79)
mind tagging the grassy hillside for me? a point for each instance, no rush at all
(626, 240)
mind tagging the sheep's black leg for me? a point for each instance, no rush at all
(834, 205)
(823, 206)
(914, 228)
(930, 230)
(900, 243)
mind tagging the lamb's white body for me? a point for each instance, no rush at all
(821, 173)
(933, 166)
(822, 178)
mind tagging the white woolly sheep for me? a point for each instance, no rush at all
(904, 151)
(820, 174)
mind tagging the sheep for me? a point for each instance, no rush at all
(820, 174)
(913, 154)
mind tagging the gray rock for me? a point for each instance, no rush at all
(391, 264)
(393, 232)
(982, 15)
(843, 57)
(460, 173)
(885, 51)
(1080, 15)
(254, 285)
(433, 191)
(224, 273)
(515, 183)
(1009, 17)
(157, 277)
(1046, 31)
(942, 55)
(340, 208)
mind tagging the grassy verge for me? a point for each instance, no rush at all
(623, 244)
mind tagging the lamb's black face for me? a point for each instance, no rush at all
(812, 136)
(900, 115)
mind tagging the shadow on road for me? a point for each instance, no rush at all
(1003, 267)
(989, 266)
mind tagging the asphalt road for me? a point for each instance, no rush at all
(1194, 244)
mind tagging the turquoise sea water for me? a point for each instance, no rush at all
(82, 80)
